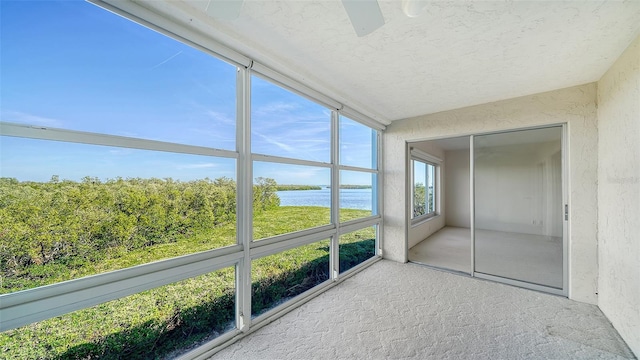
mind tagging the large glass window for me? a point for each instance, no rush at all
(356, 195)
(280, 277)
(356, 247)
(288, 125)
(82, 68)
(69, 210)
(358, 170)
(357, 144)
(153, 324)
(299, 199)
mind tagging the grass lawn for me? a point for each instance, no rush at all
(155, 323)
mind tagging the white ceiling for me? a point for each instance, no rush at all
(455, 54)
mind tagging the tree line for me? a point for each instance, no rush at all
(60, 220)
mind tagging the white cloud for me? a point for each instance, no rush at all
(276, 107)
(24, 118)
(121, 151)
(280, 145)
(166, 60)
(220, 117)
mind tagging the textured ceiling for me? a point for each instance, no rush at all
(455, 54)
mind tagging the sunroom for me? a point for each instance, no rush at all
(175, 176)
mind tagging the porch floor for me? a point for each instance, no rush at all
(393, 310)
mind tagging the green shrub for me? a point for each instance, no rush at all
(65, 222)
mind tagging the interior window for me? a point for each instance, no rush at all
(424, 189)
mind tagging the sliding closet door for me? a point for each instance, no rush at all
(518, 207)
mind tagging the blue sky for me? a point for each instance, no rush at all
(73, 65)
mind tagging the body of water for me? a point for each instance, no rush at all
(349, 198)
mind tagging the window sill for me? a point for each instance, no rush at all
(421, 220)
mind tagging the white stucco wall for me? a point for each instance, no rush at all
(619, 195)
(575, 106)
(423, 230)
(457, 193)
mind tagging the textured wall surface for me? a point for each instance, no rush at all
(457, 193)
(619, 195)
(575, 106)
(423, 230)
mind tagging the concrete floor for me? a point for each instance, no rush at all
(448, 248)
(531, 258)
(393, 310)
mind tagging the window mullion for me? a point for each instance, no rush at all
(412, 178)
(244, 197)
(334, 262)
(374, 177)
(425, 177)
(379, 191)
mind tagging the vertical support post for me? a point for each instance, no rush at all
(374, 176)
(565, 200)
(334, 260)
(244, 203)
(472, 205)
(378, 193)
(408, 198)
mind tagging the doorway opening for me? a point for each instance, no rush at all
(499, 208)
(444, 242)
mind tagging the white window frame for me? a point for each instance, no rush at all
(427, 159)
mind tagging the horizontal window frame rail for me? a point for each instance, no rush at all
(359, 224)
(291, 235)
(208, 349)
(266, 73)
(354, 114)
(139, 14)
(417, 154)
(279, 243)
(272, 314)
(289, 161)
(200, 352)
(283, 243)
(90, 138)
(363, 265)
(358, 169)
(423, 218)
(31, 305)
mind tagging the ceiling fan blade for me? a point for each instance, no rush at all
(365, 15)
(224, 9)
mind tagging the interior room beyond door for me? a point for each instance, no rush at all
(518, 219)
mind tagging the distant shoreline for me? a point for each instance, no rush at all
(318, 187)
(298, 187)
